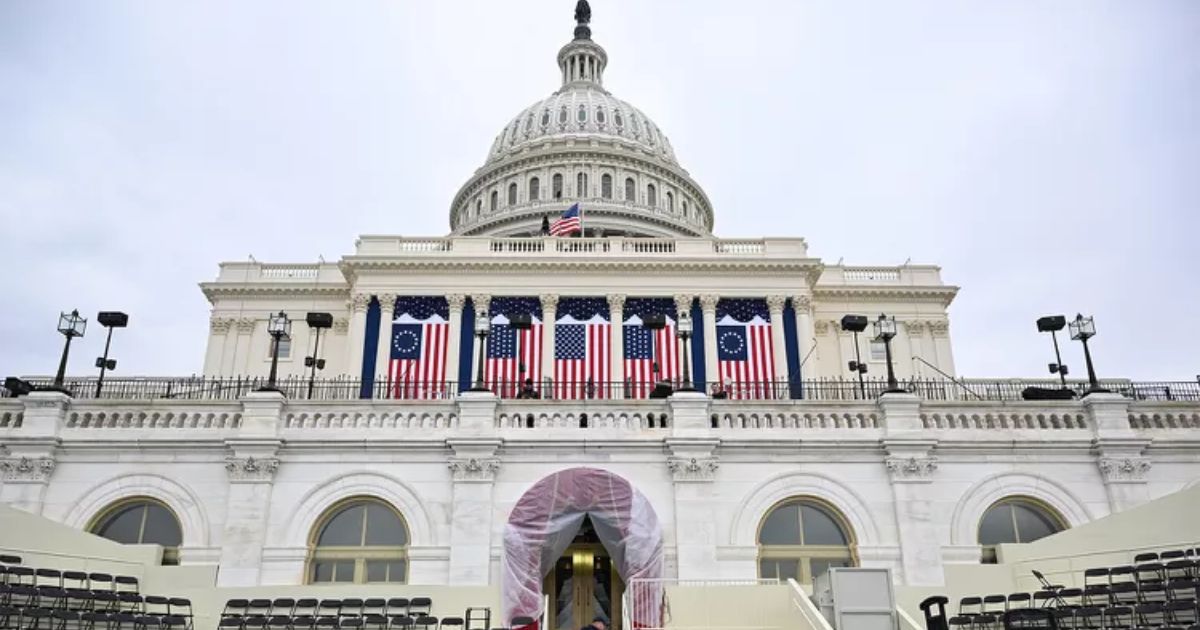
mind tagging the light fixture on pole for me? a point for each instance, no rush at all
(683, 328)
(483, 327)
(1082, 329)
(280, 328)
(317, 322)
(655, 323)
(110, 320)
(1052, 324)
(518, 323)
(885, 330)
(71, 325)
(857, 324)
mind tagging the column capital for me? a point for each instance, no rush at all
(683, 303)
(246, 324)
(359, 302)
(341, 325)
(775, 303)
(549, 300)
(693, 468)
(915, 328)
(27, 469)
(251, 469)
(456, 301)
(482, 302)
(708, 302)
(387, 302)
(616, 301)
(479, 469)
(802, 303)
(1124, 469)
(220, 325)
(910, 469)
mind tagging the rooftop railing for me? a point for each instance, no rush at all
(830, 390)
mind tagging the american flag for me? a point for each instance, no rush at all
(643, 346)
(420, 338)
(582, 348)
(745, 354)
(502, 372)
(569, 223)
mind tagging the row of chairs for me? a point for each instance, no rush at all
(1098, 595)
(38, 618)
(17, 574)
(80, 600)
(313, 607)
(369, 621)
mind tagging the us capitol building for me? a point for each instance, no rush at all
(487, 416)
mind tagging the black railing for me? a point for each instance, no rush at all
(839, 389)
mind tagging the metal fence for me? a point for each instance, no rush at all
(838, 389)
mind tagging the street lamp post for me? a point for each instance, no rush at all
(1082, 329)
(71, 325)
(279, 327)
(857, 324)
(654, 323)
(317, 322)
(885, 330)
(683, 328)
(1052, 324)
(110, 320)
(483, 326)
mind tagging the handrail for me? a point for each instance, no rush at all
(809, 610)
(908, 623)
(945, 375)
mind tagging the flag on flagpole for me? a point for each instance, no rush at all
(569, 223)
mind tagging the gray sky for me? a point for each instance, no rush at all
(1045, 154)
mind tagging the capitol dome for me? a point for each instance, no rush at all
(582, 145)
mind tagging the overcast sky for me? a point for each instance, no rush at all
(1045, 154)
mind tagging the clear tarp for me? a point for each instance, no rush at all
(548, 516)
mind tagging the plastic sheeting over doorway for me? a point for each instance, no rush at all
(546, 519)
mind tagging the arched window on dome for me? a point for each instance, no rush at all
(606, 186)
(529, 123)
(478, 207)
(556, 186)
(140, 521)
(651, 196)
(359, 540)
(630, 190)
(670, 202)
(1016, 520)
(618, 120)
(801, 538)
(545, 118)
(600, 116)
(535, 186)
(581, 185)
(633, 124)
(512, 194)
(581, 115)
(562, 115)
(495, 201)
(685, 209)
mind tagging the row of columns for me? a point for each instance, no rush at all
(802, 307)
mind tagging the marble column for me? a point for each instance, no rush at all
(693, 464)
(805, 336)
(251, 468)
(218, 336)
(708, 306)
(775, 304)
(910, 467)
(616, 315)
(244, 355)
(549, 314)
(358, 304)
(473, 469)
(683, 307)
(383, 349)
(455, 302)
(29, 458)
(482, 303)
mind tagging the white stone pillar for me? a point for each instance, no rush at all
(358, 331)
(228, 365)
(455, 302)
(616, 315)
(251, 468)
(915, 330)
(1122, 462)
(775, 304)
(383, 349)
(549, 314)
(28, 460)
(482, 303)
(693, 465)
(708, 306)
(218, 334)
(473, 469)
(244, 355)
(683, 307)
(805, 335)
(910, 468)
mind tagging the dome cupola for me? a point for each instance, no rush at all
(582, 145)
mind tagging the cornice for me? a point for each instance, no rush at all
(942, 294)
(356, 267)
(213, 290)
(610, 209)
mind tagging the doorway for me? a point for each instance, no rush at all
(584, 584)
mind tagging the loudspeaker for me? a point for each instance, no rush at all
(654, 322)
(319, 320)
(854, 323)
(523, 321)
(113, 319)
(1051, 323)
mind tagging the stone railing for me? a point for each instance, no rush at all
(51, 416)
(615, 246)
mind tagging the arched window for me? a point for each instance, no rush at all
(512, 194)
(535, 186)
(801, 539)
(581, 187)
(1016, 520)
(359, 540)
(478, 207)
(651, 195)
(562, 115)
(630, 190)
(556, 186)
(581, 115)
(529, 123)
(495, 202)
(606, 186)
(140, 521)
(618, 120)
(600, 117)
(685, 210)
(670, 202)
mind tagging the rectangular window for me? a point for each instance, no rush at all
(386, 570)
(285, 348)
(878, 352)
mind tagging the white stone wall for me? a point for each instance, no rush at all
(249, 479)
